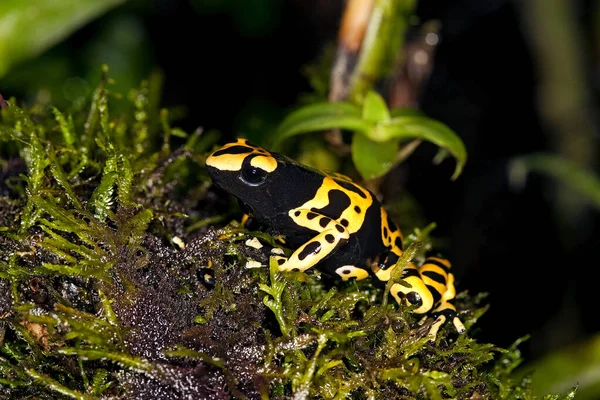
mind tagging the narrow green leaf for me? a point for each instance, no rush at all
(401, 264)
(53, 21)
(374, 108)
(406, 112)
(182, 351)
(135, 363)
(322, 116)
(356, 124)
(99, 381)
(124, 181)
(414, 127)
(67, 270)
(373, 159)
(102, 198)
(63, 219)
(55, 386)
(61, 178)
(136, 226)
(318, 110)
(66, 127)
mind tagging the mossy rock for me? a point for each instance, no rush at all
(115, 283)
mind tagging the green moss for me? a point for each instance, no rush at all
(105, 246)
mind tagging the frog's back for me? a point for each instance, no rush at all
(299, 201)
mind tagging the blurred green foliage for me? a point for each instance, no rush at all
(27, 27)
(577, 364)
(250, 18)
(578, 179)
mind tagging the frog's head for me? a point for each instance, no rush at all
(245, 171)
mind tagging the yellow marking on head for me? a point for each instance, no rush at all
(321, 199)
(226, 162)
(339, 176)
(234, 160)
(350, 271)
(266, 163)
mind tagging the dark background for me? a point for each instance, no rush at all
(238, 68)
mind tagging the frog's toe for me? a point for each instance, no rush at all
(351, 271)
(284, 266)
(446, 315)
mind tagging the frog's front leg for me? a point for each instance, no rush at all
(331, 235)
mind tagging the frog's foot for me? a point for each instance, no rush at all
(281, 262)
(443, 315)
(351, 271)
(206, 274)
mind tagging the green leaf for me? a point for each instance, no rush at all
(55, 386)
(571, 174)
(415, 127)
(132, 362)
(28, 27)
(102, 199)
(136, 226)
(372, 159)
(66, 127)
(61, 178)
(124, 181)
(322, 116)
(406, 112)
(374, 108)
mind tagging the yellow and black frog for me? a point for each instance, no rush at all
(333, 224)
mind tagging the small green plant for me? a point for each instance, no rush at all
(377, 132)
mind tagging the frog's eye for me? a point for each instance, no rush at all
(253, 176)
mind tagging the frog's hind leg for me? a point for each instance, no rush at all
(438, 278)
(418, 294)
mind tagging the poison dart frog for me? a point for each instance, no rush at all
(333, 223)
